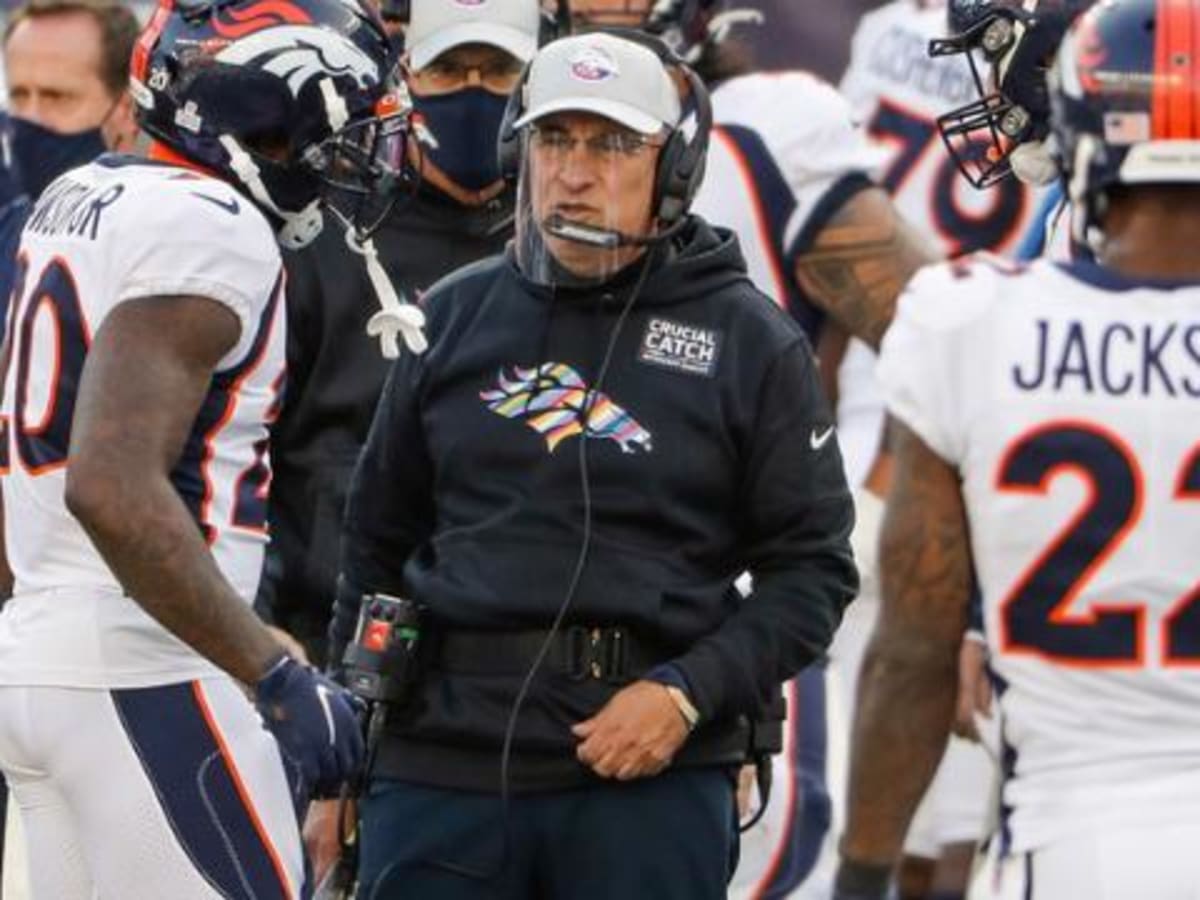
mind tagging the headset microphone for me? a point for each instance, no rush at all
(581, 233)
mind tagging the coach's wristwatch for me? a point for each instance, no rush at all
(690, 714)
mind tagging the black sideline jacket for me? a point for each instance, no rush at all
(711, 452)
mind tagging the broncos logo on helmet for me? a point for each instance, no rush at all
(236, 23)
(552, 399)
(299, 53)
(221, 81)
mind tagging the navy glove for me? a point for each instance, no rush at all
(315, 722)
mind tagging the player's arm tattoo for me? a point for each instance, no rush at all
(146, 376)
(908, 684)
(860, 262)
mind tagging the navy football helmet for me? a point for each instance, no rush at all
(1003, 132)
(292, 101)
(1123, 103)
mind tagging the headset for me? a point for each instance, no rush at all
(680, 164)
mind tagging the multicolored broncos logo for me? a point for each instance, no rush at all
(551, 399)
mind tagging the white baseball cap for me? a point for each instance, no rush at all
(605, 75)
(436, 26)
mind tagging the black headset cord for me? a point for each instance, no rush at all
(564, 607)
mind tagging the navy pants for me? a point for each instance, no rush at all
(673, 837)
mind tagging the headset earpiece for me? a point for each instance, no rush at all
(508, 144)
(680, 162)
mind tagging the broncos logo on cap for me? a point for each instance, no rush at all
(302, 52)
(551, 398)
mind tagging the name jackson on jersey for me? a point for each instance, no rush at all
(1110, 357)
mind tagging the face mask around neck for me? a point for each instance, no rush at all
(39, 155)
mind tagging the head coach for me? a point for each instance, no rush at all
(610, 425)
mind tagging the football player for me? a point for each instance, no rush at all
(901, 92)
(144, 363)
(1002, 133)
(1047, 440)
(790, 173)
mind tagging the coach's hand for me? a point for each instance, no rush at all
(314, 721)
(637, 733)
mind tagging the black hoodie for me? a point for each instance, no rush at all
(335, 374)
(710, 454)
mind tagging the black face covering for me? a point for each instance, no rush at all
(460, 126)
(40, 155)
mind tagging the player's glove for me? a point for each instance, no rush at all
(315, 722)
(861, 881)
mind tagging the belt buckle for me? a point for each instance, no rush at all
(600, 654)
(615, 655)
(579, 655)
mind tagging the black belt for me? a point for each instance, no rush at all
(612, 654)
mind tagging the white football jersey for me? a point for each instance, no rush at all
(115, 230)
(898, 91)
(1066, 397)
(783, 146)
(785, 154)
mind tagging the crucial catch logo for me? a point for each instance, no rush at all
(677, 345)
(552, 399)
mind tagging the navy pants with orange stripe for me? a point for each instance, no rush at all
(672, 837)
(170, 791)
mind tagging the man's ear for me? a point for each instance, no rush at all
(120, 131)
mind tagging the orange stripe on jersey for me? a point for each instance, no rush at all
(160, 152)
(762, 225)
(256, 354)
(1174, 112)
(29, 314)
(240, 786)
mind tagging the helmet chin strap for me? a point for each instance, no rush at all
(299, 228)
(1086, 208)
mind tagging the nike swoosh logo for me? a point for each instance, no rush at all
(323, 699)
(819, 439)
(230, 206)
